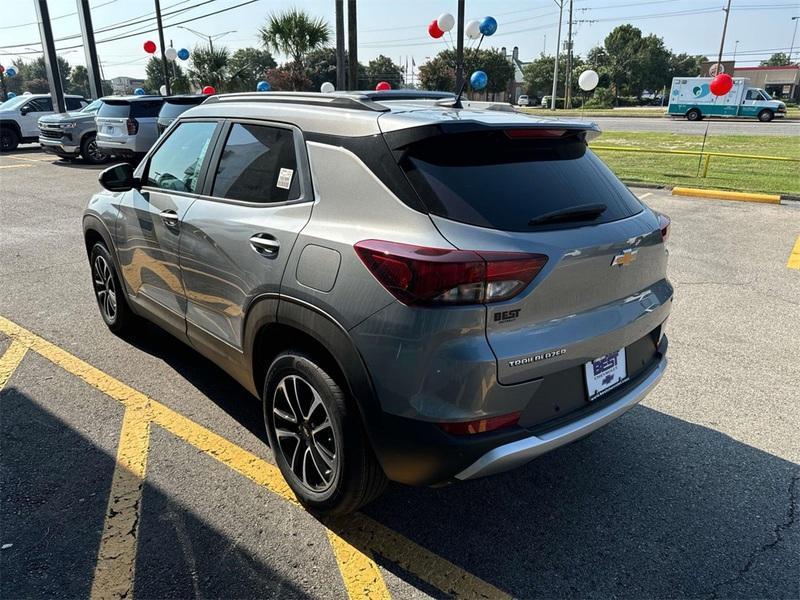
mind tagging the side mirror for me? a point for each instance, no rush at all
(24, 110)
(119, 178)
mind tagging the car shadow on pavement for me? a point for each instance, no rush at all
(55, 487)
(649, 506)
(79, 163)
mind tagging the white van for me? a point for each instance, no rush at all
(691, 97)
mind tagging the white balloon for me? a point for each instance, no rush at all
(26, 94)
(162, 90)
(327, 88)
(588, 80)
(446, 21)
(171, 53)
(473, 30)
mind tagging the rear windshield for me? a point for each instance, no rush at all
(492, 180)
(116, 109)
(170, 110)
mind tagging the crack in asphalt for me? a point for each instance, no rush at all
(778, 538)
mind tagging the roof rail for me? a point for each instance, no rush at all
(353, 101)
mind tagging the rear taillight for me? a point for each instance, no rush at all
(481, 425)
(535, 133)
(133, 126)
(435, 276)
(663, 225)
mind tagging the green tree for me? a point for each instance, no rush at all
(295, 33)
(249, 66)
(211, 67)
(32, 76)
(684, 65)
(321, 67)
(179, 83)
(79, 81)
(439, 73)
(779, 59)
(385, 69)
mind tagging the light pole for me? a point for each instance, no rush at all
(791, 48)
(735, 48)
(558, 50)
(206, 36)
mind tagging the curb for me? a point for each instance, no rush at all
(725, 195)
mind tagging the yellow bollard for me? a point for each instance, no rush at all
(705, 168)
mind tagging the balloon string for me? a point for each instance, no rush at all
(703, 147)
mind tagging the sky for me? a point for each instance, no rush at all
(398, 29)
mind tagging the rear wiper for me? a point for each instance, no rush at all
(582, 212)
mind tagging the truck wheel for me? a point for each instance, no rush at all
(90, 152)
(694, 115)
(765, 116)
(317, 438)
(9, 140)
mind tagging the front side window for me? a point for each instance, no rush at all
(258, 164)
(175, 166)
(73, 103)
(752, 95)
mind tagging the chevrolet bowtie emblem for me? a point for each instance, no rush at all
(625, 258)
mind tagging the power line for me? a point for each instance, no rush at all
(72, 14)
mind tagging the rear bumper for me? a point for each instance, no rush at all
(509, 456)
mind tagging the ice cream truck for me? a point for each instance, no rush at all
(691, 97)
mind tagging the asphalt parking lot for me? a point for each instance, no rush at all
(135, 468)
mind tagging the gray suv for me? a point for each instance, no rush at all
(414, 291)
(72, 134)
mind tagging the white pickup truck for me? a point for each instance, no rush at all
(19, 117)
(691, 97)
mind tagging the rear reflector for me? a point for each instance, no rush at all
(663, 224)
(481, 425)
(440, 276)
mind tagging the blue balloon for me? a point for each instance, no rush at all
(138, 92)
(11, 71)
(478, 80)
(263, 86)
(183, 54)
(488, 25)
(10, 95)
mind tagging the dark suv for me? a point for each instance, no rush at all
(415, 291)
(175, 106)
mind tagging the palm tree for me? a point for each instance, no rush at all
(295, 33)
(210, 66)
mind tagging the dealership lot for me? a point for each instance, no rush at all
(694, 493)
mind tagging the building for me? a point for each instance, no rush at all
(125, 85)
(516, 87)
(779, 82)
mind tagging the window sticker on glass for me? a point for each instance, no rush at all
(285, 179)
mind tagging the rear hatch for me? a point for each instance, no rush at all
(541, 191)
(175, 106)
(119, 117)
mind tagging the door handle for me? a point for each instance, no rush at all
(265, 244)
(169, 217)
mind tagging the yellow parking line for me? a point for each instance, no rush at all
(14, 166)
(10, 361)
(355, 538)
(794, 257)
(45, 159)
(116, 559)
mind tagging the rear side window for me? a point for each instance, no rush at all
(74, 103)
(115, 110)
(40, 105)
(258, 164)
(145, 108)
(175, 166)
(170, 110)
(496, 181)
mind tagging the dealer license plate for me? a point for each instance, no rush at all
(605, 373)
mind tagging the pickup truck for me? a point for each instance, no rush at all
(19, 117)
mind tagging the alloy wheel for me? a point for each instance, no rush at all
(104, 287)
(95, 155)
(305, 434)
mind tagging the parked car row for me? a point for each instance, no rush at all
(115, 126)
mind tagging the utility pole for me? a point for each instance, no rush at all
(50, 57)
(568, 85)
(90, 49)
(352, 45)
(460, 46)
(164, 70)
(791, 48)
(560, 5)
(727, 10)
(341, 79)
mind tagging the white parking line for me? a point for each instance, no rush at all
(645, 195)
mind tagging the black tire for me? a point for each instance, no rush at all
(109, 292)
(89, 151)
(9, 139)
(694, 115)
(766, 115)
(350, 476)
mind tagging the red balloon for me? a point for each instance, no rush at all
(209, 90)
(2, 69)
(383, 86)
(150, 47)
(434, 31)
(721, 84)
